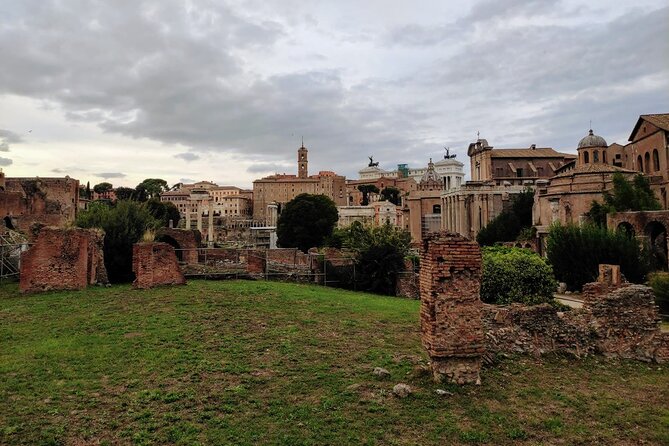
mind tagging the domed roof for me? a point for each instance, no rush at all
(592, 140)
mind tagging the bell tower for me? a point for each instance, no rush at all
(302, 162)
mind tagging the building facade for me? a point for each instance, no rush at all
(281, 188)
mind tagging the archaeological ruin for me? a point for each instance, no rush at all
(63, 259)
(155, 264)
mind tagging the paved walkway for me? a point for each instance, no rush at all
(571, 300)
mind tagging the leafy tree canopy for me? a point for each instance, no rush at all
(391, 194)
(509, 224)
(635, 195)
(163, 211)
(366, 189)
(102, 187)
(306, 221)
(124, 224)
(150, 188)
(125, 193)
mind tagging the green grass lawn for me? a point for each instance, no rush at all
(273, 363)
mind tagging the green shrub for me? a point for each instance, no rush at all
(516, 275)
(576, 252)
(659, 281)
(379, 254)
(124, 224)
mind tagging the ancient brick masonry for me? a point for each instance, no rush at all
(451, 326)
(155, 264)
(63, 259)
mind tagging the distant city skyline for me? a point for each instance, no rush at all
(199, 90)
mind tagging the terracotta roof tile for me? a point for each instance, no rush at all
(544, 152)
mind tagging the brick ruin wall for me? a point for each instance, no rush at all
(45, 201)
(187, 241)
(622, 323)
(63, 259)
(407, 283)
(155, 264)
(451, 325)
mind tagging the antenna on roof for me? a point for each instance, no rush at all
(303, 142)
(478, 135)
(591, 124)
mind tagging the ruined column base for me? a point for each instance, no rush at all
(457, 370)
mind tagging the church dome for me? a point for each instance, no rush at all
(592, 140)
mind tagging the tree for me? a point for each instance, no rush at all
(88, 190)
(163, 211)
(150, 188)
(102, 187)
(124, 224)
(379, 254)
(509, 224)
(391, 194)
(575, 252)
(124, 193)
(635, 195)
(306, 221)
(366, 189)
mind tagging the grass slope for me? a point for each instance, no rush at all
(273, 363)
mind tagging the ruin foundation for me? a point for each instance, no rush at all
(63, 259)
(451, 325)
(155, 264)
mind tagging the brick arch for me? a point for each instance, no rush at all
(186, 240)
(642, 223)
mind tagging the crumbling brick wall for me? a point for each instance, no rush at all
(451, 326)
(621, 323)
(155, 264)
(256, 262)
(407, 282)
(63, 259)
(186, 241)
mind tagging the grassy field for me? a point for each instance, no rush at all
(272, 363)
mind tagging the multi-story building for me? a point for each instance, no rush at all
(497, 174)
(226, 201)
(282, 188)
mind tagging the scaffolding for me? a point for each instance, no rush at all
(12, 244)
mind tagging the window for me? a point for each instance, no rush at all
(436, 209)
(519, 172)
(595, 156)
(586, 157)
(639, 163)
(604, 156)
(646, 160)
(656, 161)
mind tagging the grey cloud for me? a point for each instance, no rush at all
(187, 180)
(187, 156)
(8, 137)
(5, 161)
(108, 175)
(270, 168)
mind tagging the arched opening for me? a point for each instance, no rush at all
(604, 156)
(8, 223)
(586, 157)
(177, 248)
(656, 161)
(657, 244)
(518, 245)
(595, 156)
(639, 163)
(626, 228)
(646, 160)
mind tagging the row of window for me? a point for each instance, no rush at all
(643, 164)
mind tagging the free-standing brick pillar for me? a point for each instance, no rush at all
(450, 314)
(155, 264)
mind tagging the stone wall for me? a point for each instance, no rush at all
(407, 282)
(47, 201)
(185, 241)
(155, 264)
(451, 326)
(622, 323)
(63, 259)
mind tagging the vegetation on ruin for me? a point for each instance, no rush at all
(124, 224)
(511, 222)
(635, 195)
(516, 275)
(659, 281)
(575, 252)
(273, 363)
(378, 253)
(306, 222)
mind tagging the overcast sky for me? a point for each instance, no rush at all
(210, 90)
